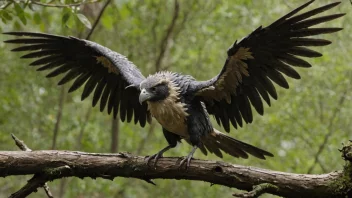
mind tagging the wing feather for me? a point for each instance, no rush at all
(260, 59)
(88, 65)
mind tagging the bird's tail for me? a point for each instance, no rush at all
(216, 141)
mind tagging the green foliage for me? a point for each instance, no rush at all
(315, 108)
(11, 11)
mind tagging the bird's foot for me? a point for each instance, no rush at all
(188, 158)
(156, 157)
(187, 161)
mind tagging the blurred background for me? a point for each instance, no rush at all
(304, 128)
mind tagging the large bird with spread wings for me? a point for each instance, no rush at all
(181, 104)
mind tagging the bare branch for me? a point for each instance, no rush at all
(59, 164)
(20, 143)
(39, 180)
(98, 19)
(58, 116)
(25, 189)
(63, 5)
(257, 191)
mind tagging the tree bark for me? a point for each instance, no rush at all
(48, 165)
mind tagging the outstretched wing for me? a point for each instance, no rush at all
(104, 72)
(260, 59)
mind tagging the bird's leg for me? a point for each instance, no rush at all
(189, 157)
(158, 155)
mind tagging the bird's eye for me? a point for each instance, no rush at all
(153, 89)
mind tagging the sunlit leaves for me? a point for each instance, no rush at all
(20, 13)
(66, 14)
(84, 20)
(27, 10)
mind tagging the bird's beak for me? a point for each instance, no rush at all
(144, 96)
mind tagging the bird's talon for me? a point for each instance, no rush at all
(186, 159)
(156, 158)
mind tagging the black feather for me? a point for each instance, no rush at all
(98, 90)
(45, 60)
(255, 99)
(305, 52)
(41, 53)
(52, 65)
(104, 97)
(79, 81)
(312, 31)
(286, 69)
(315, 21)
(278, 78)
(34, 47)
(62, 69)
(309, 42)
(72, 74)
(293, 60)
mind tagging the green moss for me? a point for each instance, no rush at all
(343, 184)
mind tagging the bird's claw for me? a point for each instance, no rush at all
(156, 157)
(186, 159)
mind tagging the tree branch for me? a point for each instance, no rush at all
(98, 19)
(59, 164)
(58, 116)
(63, 5)
(26, 190)
(257, 191)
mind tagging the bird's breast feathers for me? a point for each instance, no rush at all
(171, 113)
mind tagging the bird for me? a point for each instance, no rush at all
(181, 104)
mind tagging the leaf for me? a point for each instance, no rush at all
(66, 14)
(65, 18)
(18, 9)
(37, 18)
(20, 13)
(6, 15)
(84, 20)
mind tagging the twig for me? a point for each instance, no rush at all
(98, 19)
(6, 5)
(83, 127)
(63, 6)
(257, 191)
(20, 143)
(19, 193)
(330, 130)
(39, 180)
(47, 191)
(58, 116)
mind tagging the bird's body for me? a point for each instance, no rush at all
(172, 113)
(180, 103)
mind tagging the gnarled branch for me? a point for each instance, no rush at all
(80, 164)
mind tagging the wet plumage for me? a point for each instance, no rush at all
(180, 103)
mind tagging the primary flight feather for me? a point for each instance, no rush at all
(180, 103)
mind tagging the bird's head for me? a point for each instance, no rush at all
(154, 89)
